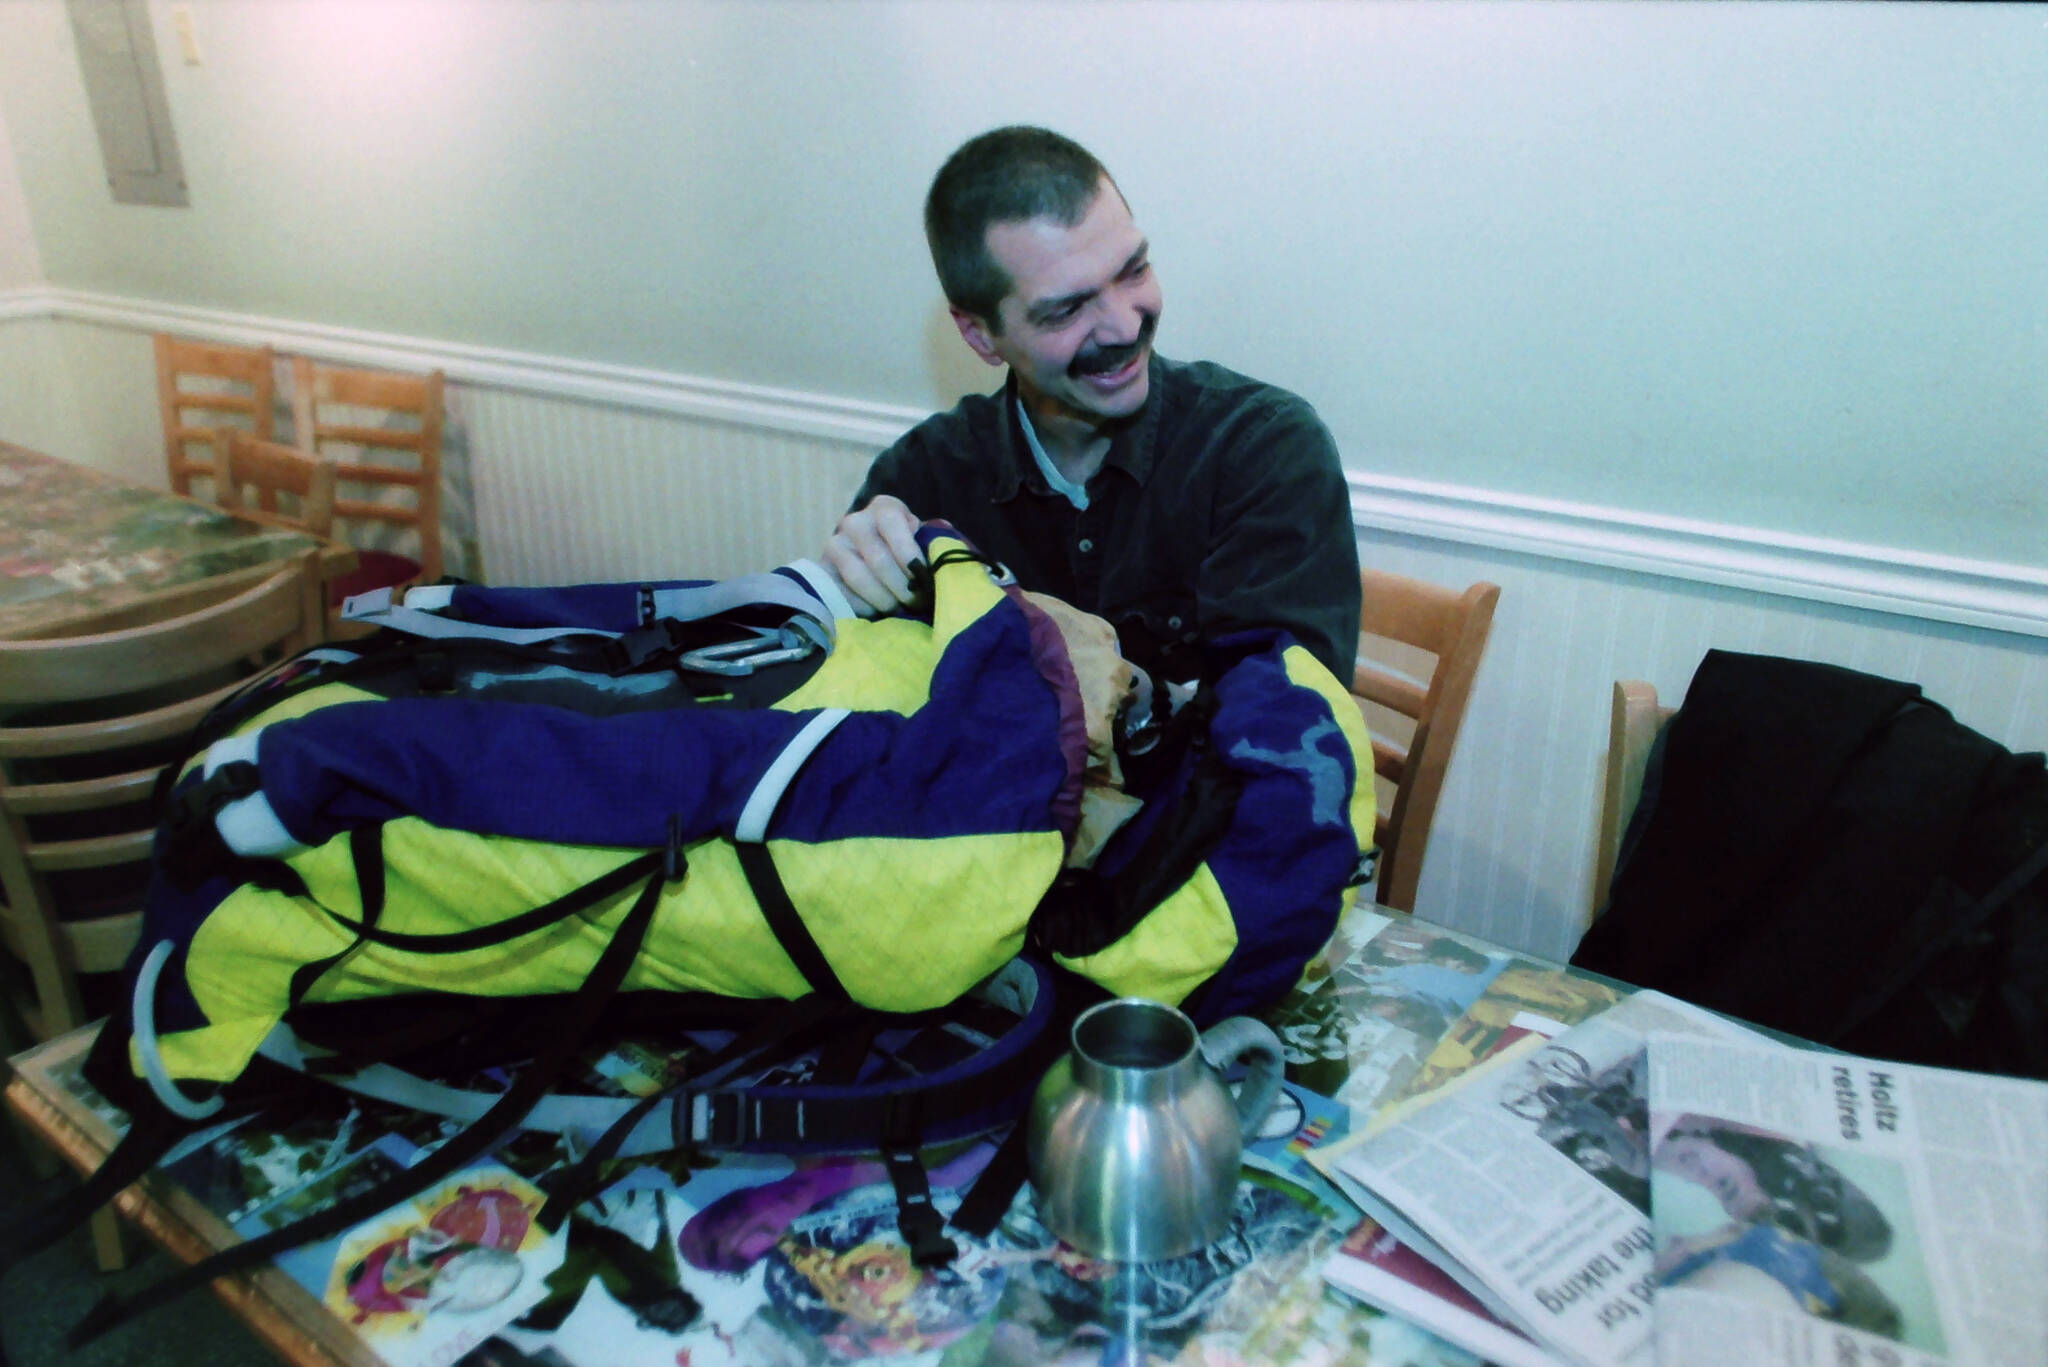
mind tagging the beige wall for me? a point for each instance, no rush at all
(1776, 265)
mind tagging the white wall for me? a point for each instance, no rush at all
(20, 265)
(1778, 265)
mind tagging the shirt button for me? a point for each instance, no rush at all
(1087, 546)
(1173, 624)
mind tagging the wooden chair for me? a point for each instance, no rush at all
(1419, 649)
(329, 410)
(251, 473)
(1633, 721)
(87, 723)
(214, 364)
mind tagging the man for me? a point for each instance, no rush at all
(1179, 501)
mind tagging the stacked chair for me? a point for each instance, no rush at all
(399, 456)
(378, 433)
(206, 387)
(87, 725)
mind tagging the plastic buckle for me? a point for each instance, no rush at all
(635, 648)
(360, 606)
(717, 1119)
(193, 848)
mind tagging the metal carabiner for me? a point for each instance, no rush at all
(736, 659)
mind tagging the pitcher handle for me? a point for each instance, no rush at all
(1243, 1039)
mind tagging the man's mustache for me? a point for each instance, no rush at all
(1102, 360)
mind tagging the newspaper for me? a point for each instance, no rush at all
(1527, 1180)
(1378, 1269)
(1395, 1008)
(1818, 1208)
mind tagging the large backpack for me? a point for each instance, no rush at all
(529, 816)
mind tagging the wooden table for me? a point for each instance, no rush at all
(1028, 1299)
(80, 550)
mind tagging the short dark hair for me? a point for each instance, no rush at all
(1007, 175)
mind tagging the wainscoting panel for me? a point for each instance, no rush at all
(32, 378)
(584, 472)
(570, 492)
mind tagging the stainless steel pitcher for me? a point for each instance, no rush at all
(1135, 1141)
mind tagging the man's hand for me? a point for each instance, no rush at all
(872, 551)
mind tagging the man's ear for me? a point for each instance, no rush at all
(975, 331)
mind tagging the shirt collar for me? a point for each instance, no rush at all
(1076, 494)
(1131, 449)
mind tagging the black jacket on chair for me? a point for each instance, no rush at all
(1814, 851)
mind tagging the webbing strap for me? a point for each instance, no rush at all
(826, 585)
(378, 609)
(150, 1135)
(573, 1186)
(787, 923)
(916, 1220)
(1924, 953)
(529, 1086)
(988, 1200)
(577, 1183)
(370, 864)
(695, 603)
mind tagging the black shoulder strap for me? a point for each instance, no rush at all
(151, 1133)
(1927, 948)
(529, 1087)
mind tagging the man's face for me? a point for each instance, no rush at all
(1077, 323)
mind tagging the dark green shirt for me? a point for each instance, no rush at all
(1220, 505)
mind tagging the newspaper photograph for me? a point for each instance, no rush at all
(1528, 1181)
(1818, 1208)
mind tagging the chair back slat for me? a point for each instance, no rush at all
(86, 722)
(82, 795)
(247, 464)
(328, 418)
(58, 856)
(141, 728)
(179, 360)
(1414, 705)
(84, 667)
(1634, 717)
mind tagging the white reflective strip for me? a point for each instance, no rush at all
(428, 625)
(825, 584)
(752, 825)
(249, 825)
(142, 1027)
(230, 750)
(430, 597)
